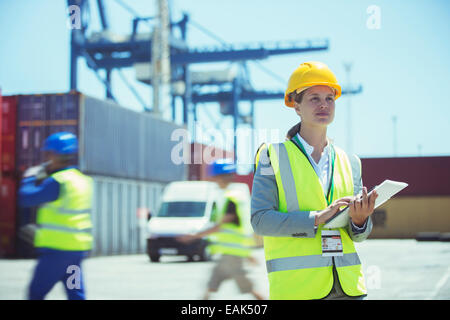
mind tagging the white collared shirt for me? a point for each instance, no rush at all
(321, 168)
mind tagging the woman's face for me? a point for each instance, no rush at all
(317, 106)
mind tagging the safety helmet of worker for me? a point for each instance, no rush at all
(222, 167)
(61, 143)
(308, 74)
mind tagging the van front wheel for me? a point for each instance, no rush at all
(154, 257)
(205, 256)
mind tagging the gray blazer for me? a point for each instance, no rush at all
(268, 221)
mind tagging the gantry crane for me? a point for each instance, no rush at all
(104, 52)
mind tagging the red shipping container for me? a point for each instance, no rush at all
(247, 178)
(1, 117)
(8, 192)
(110, 136)
(8, 134)
(201, 157)
(39, 116)
(426, 176)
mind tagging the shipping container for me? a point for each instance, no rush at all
(407, 216)
(118, 228)
(201, 157)
(122, 149)
(426, 176)
(1, 132)
(8, 189)
(247, 178)
(8, 134)
(424, 206)
(113, 141)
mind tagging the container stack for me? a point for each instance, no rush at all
(127, 153)
(422, 210)
(113, 141)
(8, 181)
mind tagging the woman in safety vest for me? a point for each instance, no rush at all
(301, 183)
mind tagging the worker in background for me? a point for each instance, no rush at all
(63, 235)
(301, 183)
(231, 237)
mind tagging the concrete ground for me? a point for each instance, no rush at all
(394, 269)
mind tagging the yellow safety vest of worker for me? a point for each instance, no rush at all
(295, 266)
(65, 224)
(232, 239)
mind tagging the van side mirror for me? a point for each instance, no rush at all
(149, 215)
(213, 217)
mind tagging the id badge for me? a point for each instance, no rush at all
(331, 243)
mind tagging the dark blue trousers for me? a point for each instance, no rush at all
(54, 266)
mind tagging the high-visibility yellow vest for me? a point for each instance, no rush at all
(295, 266)
(65, 224)
(232, 239)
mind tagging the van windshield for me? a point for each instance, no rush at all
(185, 209)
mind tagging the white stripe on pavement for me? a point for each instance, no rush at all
(439, 285)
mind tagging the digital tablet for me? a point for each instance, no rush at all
(386, 190)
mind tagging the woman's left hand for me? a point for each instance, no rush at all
(362, 208)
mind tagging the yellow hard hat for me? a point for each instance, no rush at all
(312, 73)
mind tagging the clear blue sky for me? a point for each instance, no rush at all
(403, 66)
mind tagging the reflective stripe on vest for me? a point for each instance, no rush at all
(63, 210)
(295, 266)
(64, 229)
(312, 261)
(231, 245)
(65, 224)
(236, 233)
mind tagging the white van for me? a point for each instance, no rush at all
(186, 207)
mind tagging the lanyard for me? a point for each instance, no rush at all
(330, 192)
